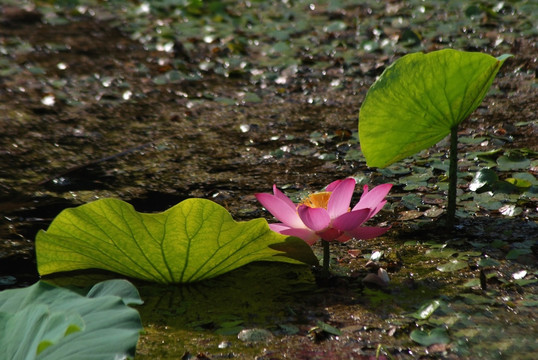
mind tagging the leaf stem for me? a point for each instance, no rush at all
(326, 257)
(452, 178)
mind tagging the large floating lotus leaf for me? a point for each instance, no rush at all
(418, 99)
(194, 240)
(47, 323)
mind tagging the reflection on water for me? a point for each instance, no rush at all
(259, 294)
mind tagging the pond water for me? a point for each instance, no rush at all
(108, 100)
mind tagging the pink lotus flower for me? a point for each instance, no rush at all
(327, 215)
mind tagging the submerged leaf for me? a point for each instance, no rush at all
(254, 335)
(419, 98)
(513, 162)
(487, 262)
(194, 240)
(328, 328)
(515, 253)
(435, 336)
(474, 299)
(524, 282)
(453, 265)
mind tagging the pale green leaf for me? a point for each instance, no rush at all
(426, 310)
(28, 332)
(194, 240)
(45, 322)
(453, 265)
(419, 98)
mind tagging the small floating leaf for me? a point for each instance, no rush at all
(328, 328)
(484, 177)
(524, 282)
(435, 336)
(426, 310)
(452, 265)
(251, 97)
(411, 201)
(515, 253)
(525, 177)
(194, 240)
(434, 212)
(395, 170)
(288, 329)
(522, 184)
(530, 303)
(486, 262)
(513, 162)
(441, 253)
(472, 283)
(473, 299)
(254, 335)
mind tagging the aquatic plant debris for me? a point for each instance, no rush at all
(195, 240)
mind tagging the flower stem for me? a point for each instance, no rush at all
(452, 178)
(326, 257)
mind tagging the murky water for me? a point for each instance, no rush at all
(88, 112)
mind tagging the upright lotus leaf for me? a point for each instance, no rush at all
(47, 323)
(418, 100)
(194, 240)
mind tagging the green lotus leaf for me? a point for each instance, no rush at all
(194, 240)
(418, 99)
(45, 322)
